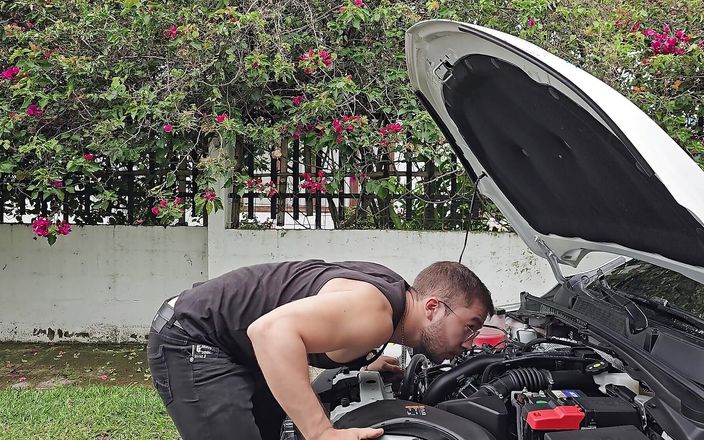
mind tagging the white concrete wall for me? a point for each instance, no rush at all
(99, 283)
(105, 283)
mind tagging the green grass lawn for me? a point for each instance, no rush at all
(84, 412)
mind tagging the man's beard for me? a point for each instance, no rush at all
(432, 342)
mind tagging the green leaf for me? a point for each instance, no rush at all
(52, 239)
(170, 179)
(7, 167)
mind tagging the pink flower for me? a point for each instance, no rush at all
(359, 3)
(88, 156)
(64, 229)
(341, 9)
(155, 210)
(644, 61)
(57, 184)
(635, 27)
(104, 377)
(297, 100)
(10, 72)
(531, 22)
(394, 127)
(649, 33)
(321, 174)
(221, 118)
(170, 33)
(338, 139)
(163, 203)
(337, 126)
(34, 111)
(666, 29)
(209, 195)
(40, 226)
(178, 200)
(168, 128)
(255, 65)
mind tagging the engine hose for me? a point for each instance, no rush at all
(446, 382)
(529, 358)
(532, 379)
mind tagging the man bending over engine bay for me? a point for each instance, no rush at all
(230, 356)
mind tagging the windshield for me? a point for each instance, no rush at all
(650, 281)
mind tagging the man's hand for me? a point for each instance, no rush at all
(388, 365)
(350, 434)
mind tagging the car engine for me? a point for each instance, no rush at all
(551, 388)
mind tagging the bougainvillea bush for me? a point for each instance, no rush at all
(90, 89)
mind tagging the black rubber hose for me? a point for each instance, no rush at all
(530, 358)
(533, 379)
(447, 382)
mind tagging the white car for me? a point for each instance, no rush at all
(618, 352)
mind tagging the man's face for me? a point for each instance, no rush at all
(446, 335)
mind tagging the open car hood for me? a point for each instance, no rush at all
(568, 160)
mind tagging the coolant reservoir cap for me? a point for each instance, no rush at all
(597, 367)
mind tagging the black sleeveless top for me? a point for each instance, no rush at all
(218, 311)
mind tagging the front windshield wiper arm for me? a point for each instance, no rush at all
(662, 305)
(637, 320)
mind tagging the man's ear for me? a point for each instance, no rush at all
(430, 307)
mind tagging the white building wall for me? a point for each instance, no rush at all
(104, 283)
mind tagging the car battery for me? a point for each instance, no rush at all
(569, 410)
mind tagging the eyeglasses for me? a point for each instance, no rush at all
(469, 332)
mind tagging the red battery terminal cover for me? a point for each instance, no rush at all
(562, 418)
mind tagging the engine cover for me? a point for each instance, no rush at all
(413, 420)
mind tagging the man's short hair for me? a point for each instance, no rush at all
(453, 282)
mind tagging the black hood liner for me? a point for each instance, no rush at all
(563, 171)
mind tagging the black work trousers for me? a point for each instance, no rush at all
(208, 396)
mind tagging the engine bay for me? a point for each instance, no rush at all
(524, 388)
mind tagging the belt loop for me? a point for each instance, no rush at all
(170, 322)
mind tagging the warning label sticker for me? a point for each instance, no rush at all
(416, 410)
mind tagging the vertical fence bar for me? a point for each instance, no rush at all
(2, 202)
(250, 172)
(409, 188)
(429, 211)
(130, 192)
(236, 199)
(454, 217)
(295, 166)
(283, 183)
(307, 162)
(22, 206)
(318, 200)
(385, 205)
(341, 195)
(274, 176)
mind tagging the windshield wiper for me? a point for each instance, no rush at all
(662, 305)
(636, 319)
